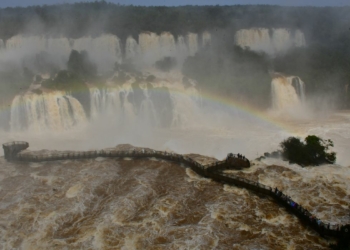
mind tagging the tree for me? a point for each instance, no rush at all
(314, 151)
(317, 150)
(166, 64)
(80, 64)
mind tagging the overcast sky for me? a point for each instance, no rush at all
(13, 3)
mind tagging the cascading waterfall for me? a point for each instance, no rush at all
(157, 104)
(106, 49)
(192, 41)
(299, 87)
(281, 40)
(103, 101)
(255, 39)
(59, 111)
(111, 101)
(206, 39)
(167, 44)
(272, 41)
(121, 103)
(54, 111)
(153, 47)
(299, 39)
(149, 47)
(132, 49)
(161, 103)
(148, 113)
(288, 94)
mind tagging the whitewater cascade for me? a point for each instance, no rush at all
(206, 39)
(142, 103)
(106, 49)
(54, 111)
(272, 41)
(155, 104)
(288, 94)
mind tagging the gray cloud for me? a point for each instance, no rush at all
(13, 3)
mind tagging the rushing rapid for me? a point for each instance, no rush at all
(148, 204)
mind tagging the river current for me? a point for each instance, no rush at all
(151, 204)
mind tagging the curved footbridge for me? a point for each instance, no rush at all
(16, 151)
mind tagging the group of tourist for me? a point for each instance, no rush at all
(239, 156)
(302, 210)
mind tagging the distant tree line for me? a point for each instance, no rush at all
(75, 20)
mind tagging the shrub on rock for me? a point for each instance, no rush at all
(313, 151)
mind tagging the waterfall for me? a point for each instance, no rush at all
(54, 111)
(206, 39)
(182, 49)
(105, 49)
(281, 40)
(153, 47)
(192, 41)
(256, 39)
(24, 45)
(60, 48)
(288, 94)
(299, 87)
(272, 41)
(149, 47)
(148, 114)
(299, 39)
(167, 45)
(132, 49)
(111, 102)
(134, 104)
(145, 104)
(105, 101)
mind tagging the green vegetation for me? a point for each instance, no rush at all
(166, 64)
(233, 72)
(79, 19)
(80, 70)
(80, 64)
(314, 151)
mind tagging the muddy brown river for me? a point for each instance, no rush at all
(152, 204)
